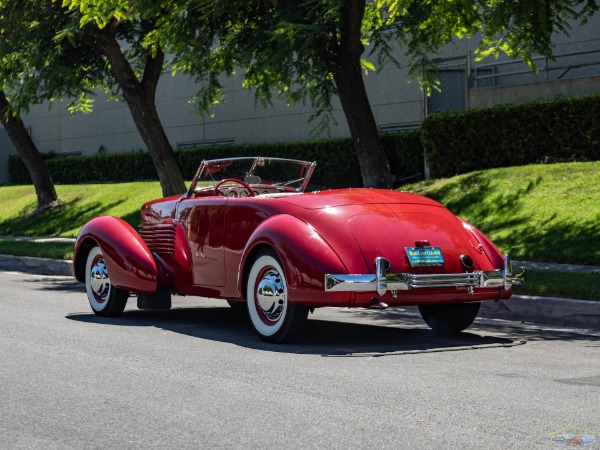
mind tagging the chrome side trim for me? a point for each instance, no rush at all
(381, 282)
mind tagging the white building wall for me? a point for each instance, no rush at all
(238, 119)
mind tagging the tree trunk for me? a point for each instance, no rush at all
(34, 163)
(347, 74)
(372, 160)
(140, 98)
(145, 116)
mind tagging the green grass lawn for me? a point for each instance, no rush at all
(545, 212)
(538, 212)
(80, 203)
(584, 286)
(56, 250)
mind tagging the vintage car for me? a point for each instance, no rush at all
(247, 231)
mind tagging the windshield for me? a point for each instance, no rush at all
(262, 174)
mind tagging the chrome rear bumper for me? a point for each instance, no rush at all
(381, 282)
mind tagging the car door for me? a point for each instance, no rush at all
(204, 222)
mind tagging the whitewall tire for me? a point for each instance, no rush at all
(105, 299)
(273, 316)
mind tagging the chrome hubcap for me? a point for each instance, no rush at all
(270, 296)
(99, 281)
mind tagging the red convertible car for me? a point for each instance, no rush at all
(248, 232)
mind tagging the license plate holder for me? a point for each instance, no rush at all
(425, 256)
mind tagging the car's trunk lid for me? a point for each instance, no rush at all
(359, 196)
(393, 233)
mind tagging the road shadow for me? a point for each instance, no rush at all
(513, 329)
(56, 284)
(321, 337)
(338, 332)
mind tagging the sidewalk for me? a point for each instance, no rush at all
(521, 308)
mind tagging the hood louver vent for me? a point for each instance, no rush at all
(159, 238)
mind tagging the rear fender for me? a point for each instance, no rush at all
(129, 261)
(494, 255)
(306, 258)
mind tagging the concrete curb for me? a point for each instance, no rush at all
(549, 310)
(40, 266)
(520, 308)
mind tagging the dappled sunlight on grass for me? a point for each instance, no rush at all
(538, 212)
(80, 203)
(548, 212)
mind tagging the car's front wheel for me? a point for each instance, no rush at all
(273, 316)
(105, 299)
(449, 317)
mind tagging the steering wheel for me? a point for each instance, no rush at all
(217, 191)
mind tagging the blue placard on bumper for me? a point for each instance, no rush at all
(425, 256)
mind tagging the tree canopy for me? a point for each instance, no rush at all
(36, 67)
(72, 50)
(313, 50)
(37, 64)
(309, 51)
(127, 35)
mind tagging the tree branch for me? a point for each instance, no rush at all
(107, 44)
(154, 63)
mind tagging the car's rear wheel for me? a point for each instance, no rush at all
(105, 299)
(273, 316)
(449, 317)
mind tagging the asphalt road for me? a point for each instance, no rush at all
(198, 377)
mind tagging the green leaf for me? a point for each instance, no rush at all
(367, 65)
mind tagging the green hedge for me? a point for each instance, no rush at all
(510, 135)
(337, 164)
(455, 142)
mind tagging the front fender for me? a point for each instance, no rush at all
(306, 258)
(130, 263)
